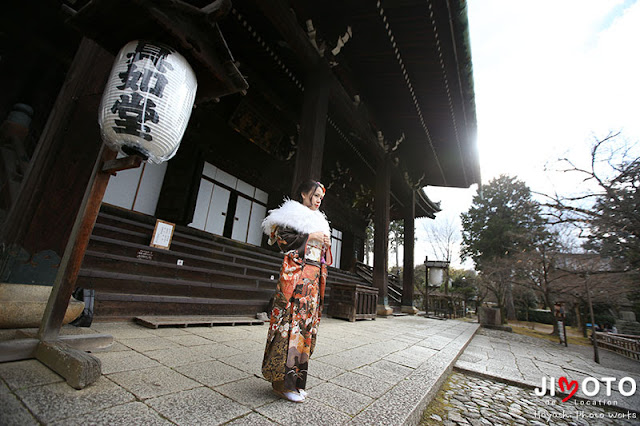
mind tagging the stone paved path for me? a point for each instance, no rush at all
(380, 372)
(524, 360)
(470, 400)
(496, 376)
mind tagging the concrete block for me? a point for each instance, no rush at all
(362, 384)
(80, 369)
(174, 357)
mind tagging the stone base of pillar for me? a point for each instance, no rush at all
(384, 310)
(411, 310)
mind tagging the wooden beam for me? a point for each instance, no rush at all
(312, 129)
(74, 253)
(284, 20)
(25, 348)
(409, 242)
(185, 27)
(119, 164)
(39, 219)
(64, 160)
(381, 236)
(217, 10)
(79, 368)
(279, 13)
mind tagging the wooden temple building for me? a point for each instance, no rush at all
(374, 98)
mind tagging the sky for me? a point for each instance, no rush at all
(550, 76)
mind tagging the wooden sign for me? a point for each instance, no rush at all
(253, 125)
(162, 234)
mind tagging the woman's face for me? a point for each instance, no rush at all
(313, 199)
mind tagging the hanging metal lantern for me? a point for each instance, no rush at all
(147, 101)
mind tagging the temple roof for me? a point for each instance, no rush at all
(409, 63)
(400, 75)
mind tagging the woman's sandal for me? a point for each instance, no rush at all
(302, 392)
(289, 396)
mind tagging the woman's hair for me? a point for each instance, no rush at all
(308, 186)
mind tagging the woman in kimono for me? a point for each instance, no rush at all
(303, 233)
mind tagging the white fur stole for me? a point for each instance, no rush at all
(294, 215)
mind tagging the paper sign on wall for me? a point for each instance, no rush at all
(162, 234)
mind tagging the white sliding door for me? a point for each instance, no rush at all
(136, 189)
(229, 206)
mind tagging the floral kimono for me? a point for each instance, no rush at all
(299, 296)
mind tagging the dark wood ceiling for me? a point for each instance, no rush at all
(430, 60)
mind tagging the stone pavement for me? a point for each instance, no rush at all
(524, 360)
(381, 372)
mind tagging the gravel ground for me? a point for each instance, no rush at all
(466, 399)
(470, 400)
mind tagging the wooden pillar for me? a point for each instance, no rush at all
(348, 253)
(43, 215)
(381, 235)
(313, 124)
(409, 240)
(57, 208)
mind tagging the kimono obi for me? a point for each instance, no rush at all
(313, 251)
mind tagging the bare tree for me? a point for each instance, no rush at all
(368, 243)
(444, 237)
(396, 238)
(536, 270)
(494, 283)
(607, 215)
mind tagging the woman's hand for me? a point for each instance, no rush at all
(321, 236)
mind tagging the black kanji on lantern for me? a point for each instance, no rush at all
(157, 55)
(142, 80)
(134, 110)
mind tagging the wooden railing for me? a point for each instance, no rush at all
(394, 287)
(394, 290)
(624, 344)
(448, 312)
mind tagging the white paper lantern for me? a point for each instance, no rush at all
(435, 276)
(147, 102)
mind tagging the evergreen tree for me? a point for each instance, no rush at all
(503, 221)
